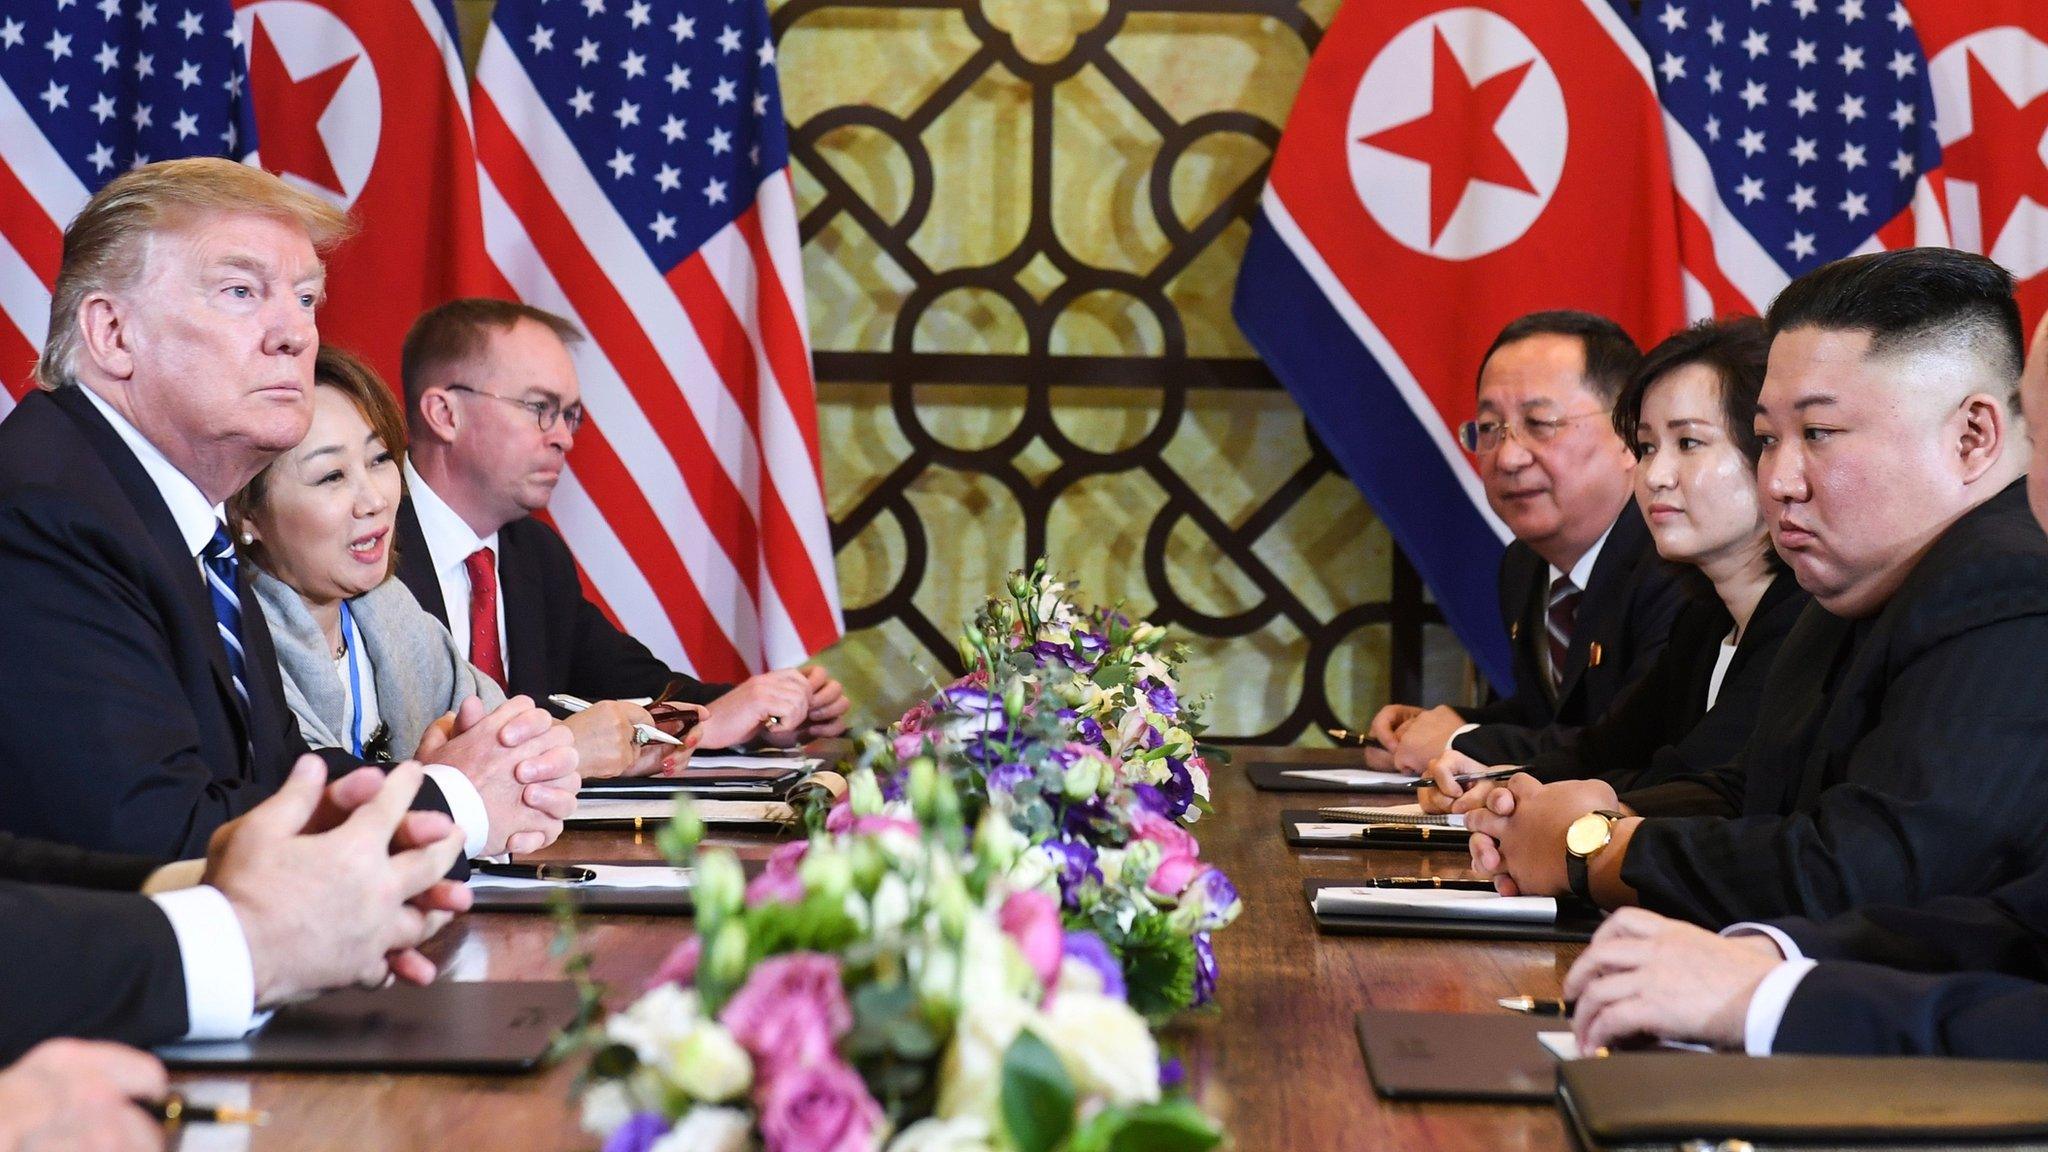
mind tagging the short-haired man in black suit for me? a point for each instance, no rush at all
(1586, 600)
(1899, 754)
(1958, 976)
(492, 407)
(144, 706)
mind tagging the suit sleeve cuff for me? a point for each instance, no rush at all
(465, 804)
(1767, 1005)
(1787, 947)
(220, 976)
(1452, 743)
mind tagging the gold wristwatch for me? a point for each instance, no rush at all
(1584, 837)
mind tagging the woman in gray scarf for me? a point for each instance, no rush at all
(365, 667)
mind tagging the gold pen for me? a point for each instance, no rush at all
(1353, 739)
(175, 1109)
(1535, 1005)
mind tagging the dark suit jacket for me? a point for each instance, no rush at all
(1897, 759)
(1848, 1008)
(1660, 728)
(81, 963)
(120, 729)
(1631, 599)
(556, 640)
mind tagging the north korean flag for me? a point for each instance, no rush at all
(364, 102)
(1446, 169)
(1987, 62)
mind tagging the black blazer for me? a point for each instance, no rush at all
(556, 640)
(1896, 759)
(1847, 1008)
(1631, 599)
(120, 729)
(1660, 728)
(83, 963)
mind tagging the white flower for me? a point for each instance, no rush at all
(1105, 1047)
(1146, 664)
(890, 908)
(1198, 771)
(670, 1035)
(705, 1129)
(960, 1134)
(656, 1022)
(971, 1072)
(710, 1065)
(606, 1107)
(1077, 976)
(1036, 869)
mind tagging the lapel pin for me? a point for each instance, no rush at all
(1515, 630)
(1593, 655)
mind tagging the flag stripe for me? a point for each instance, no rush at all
(611, 406)
(608, 319)
(24, 318)
(37, 239)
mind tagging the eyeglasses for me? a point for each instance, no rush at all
(1481, 437)
(545, 412)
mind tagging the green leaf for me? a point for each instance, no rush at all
(1171, 1126)
(1038, 1098)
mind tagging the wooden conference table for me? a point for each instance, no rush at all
(1276, 1059)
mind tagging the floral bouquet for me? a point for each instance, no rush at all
(881, 987)
(1070, 727)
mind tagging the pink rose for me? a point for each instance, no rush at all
(840, 818)
(1179, 855)
(821, 1108)
(681, 966)
(1032, 919)
(790, 1014)
(779, 882)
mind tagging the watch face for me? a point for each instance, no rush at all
(1587, 835)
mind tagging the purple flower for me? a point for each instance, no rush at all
(638, 1133)
(1005, 777)
(1088, 949)
(1205, 969)
(1216, 896)
(1091, 731)
(1076, 860)
(1179, 790)
(1160, 696)
(1172, 1073)
(1154, 800)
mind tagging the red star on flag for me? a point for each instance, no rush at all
(284, 108)
(2001, 155)
(1457, 136)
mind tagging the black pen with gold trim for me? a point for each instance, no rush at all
(175, 1110)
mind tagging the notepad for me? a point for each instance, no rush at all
(1565, 1046)
(1436, 904)
(748, 760)
(1411, 814)
(605, 808)
(616, 876)
(1351, 777)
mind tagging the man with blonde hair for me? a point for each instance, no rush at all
(145, 707)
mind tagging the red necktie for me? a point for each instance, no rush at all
(483, 614)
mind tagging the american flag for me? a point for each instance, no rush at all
(1801, 131)
(88, 90)
(634, 177)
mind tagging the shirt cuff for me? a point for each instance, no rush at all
(1452, 743)
(465, 804)
(1768, 1003)
(220, 976)
(1787, 947)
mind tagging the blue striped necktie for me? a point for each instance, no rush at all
(218, 558)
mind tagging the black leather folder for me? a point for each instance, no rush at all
(500, 1026)
(1459, 1056)
(1574, 925)
(731, 783)
(1265, 775)
(1664, 1100)
(1408, 838)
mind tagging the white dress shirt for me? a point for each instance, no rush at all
(450, 543)
(1774, 992)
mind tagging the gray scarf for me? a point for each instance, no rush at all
(411, 658)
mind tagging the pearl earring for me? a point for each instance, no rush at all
(248, 538)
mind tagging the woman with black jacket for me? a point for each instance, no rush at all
(1689, 413)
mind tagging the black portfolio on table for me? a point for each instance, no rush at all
(1662, 1100)
(1574, 925)
(1459, 1056)
(498, 1026)
(1407, 837)
(1271, 776)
